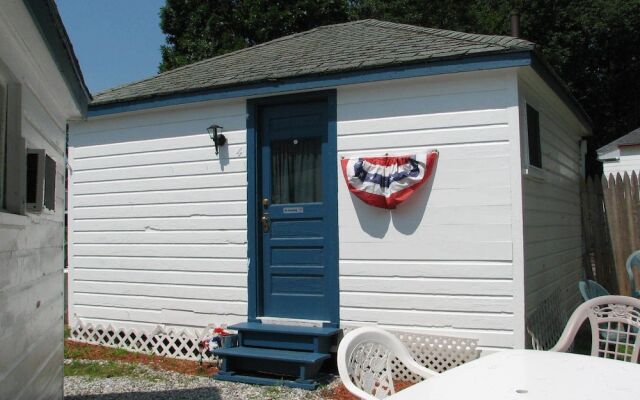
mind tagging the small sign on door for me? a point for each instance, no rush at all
(293, 210)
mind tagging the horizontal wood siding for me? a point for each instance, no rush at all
(31, 245)
(158, 222)
(552, 219)
(442, 262)
(31, 284)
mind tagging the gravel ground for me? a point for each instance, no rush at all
(165, 385)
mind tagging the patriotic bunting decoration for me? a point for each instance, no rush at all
(387, 181)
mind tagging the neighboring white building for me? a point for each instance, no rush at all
(622, 155)
(41, 87)
(165, 232)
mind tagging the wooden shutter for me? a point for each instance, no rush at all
(15, 183)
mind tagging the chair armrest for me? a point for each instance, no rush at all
(570, 331)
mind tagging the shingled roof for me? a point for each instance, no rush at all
(351, 46)
(630, 139)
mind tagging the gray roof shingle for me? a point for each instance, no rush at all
(630, 139)
(328, 49)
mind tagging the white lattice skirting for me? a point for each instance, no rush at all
(162, 342)
(438, 353)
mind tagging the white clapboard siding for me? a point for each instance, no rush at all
(158, 221)
(439, 249)
(162, 210)
(141, 144)
(202, 292)
(31, 245)
(404, 139)
(552, 222)
(145, 315)
(162, 250)
(160, 303)
(442, 261)
(160, 232)
(418, 269)
(154, 237)
(429, 319)
(441, 303)
(170, 155)
(232, 179)
(165, 263)
(462, 232)
(187, 223)
(159, 171)
(162, 197)
(226, 279)
(414, 285)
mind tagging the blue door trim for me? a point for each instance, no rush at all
(253, 191)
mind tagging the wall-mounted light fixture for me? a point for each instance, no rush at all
(218, 138)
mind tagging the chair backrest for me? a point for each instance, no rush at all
(615, 327)
(364, 362)
(633, 262)
(591, 289)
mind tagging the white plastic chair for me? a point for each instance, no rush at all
(615, 327)
(364, 362)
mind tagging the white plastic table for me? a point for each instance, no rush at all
(530, 374)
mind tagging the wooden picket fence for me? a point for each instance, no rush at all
(611, 228)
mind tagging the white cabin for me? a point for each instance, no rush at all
(41, 87)
(163, 231)
(622, 155)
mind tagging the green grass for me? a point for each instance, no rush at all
(67, 332)
(119, 352)
(75, 352)
(108, 369)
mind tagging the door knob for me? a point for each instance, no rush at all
(266, 222)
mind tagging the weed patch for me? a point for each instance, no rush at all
(107, 369)
(82, 351)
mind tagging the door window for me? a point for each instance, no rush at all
(296, 171)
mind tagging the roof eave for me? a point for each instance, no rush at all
(505, 59)
(547, 73)
(46, 17)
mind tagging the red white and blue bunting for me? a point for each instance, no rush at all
(389, 180)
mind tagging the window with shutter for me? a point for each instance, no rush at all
(49, 183)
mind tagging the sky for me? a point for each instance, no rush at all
(115, 41)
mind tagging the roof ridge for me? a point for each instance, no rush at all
(446, 33)
(363, 43)
(231, 53)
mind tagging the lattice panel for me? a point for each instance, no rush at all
(546, 323)
(438, 353)
(162, 342)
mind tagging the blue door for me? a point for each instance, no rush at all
(297, 222)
